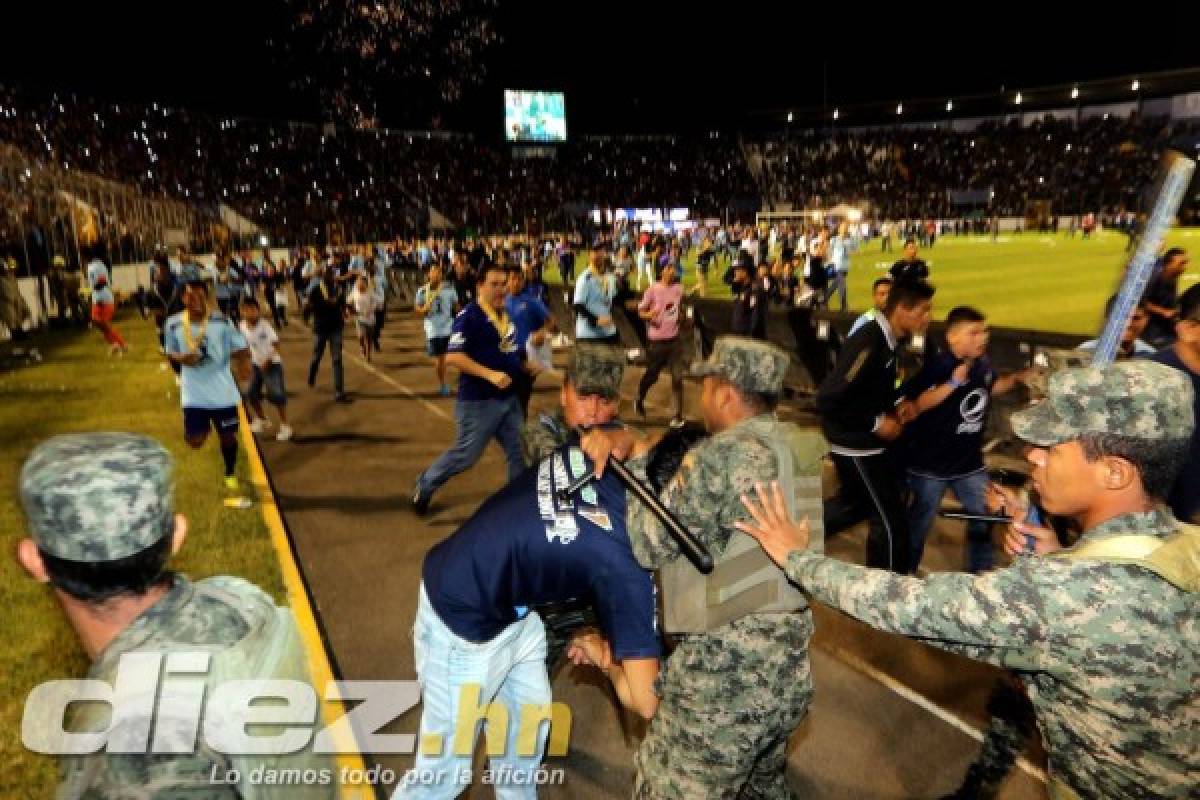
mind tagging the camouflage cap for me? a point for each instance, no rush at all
(1139, 398)
(752, 365)
(97, 497)
(596, 369)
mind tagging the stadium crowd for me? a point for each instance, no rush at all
(296, 181)
(1099, 164)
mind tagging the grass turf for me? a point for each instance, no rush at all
(1032, 280)
(79, 388)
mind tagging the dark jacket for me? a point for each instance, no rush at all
(750, 309)
(861, 387)
(326, 304)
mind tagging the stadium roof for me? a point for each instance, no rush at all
(625, 66)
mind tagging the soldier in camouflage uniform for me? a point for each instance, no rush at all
(101, 516)
(1105, 634)
(590, 396)
(731, 697)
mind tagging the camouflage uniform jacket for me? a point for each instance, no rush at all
(705, 495)
(184, 620)
(542, 435)
(731, 696)
(1109, 653)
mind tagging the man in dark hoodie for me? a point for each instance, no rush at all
(861, 418)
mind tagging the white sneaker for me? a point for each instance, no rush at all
(257, 426)
(285, 433)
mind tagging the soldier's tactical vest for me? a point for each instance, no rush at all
(1175, 559)
(271, 649)
(744, 580)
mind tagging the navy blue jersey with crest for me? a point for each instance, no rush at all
(526, 547)
(475, 336)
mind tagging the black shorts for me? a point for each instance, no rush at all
(436, 345)
(197, 421)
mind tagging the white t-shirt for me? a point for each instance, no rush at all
(261, 340)
(365, 305)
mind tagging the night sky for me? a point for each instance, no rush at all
(625, 66)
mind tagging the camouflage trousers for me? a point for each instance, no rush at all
(729, 701)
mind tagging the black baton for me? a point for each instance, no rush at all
(691, 547)
(976, 517)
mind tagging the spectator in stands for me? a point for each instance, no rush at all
(1160, 297)
(1184, 355)
(910, 268)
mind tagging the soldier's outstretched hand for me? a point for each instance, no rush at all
(772, 526)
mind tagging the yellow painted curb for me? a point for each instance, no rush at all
(318, 660)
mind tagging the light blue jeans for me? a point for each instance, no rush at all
(509, 670)
(476, 423)
(971, 491)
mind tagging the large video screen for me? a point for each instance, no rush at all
(534, 116)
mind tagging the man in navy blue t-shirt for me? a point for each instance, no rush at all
(952, 393)
(483, 348)
(475, 640)
(531, 318)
